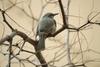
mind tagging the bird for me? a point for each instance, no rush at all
(46, 26)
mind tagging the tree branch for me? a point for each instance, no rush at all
(29, 40)
(63, 13)
(4, 19)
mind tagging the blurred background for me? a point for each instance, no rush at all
(24, 16)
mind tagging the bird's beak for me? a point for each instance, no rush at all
(56, 14)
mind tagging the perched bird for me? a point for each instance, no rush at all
(46, 26)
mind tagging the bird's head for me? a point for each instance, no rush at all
(51, 15)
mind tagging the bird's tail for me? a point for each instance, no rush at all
(41, 43)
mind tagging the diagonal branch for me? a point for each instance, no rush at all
(29, 40)
(4, 19)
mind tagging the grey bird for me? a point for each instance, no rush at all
(46, 26)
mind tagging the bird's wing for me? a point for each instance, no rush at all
(52, 26)
(47, 25)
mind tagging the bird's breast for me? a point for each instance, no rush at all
(46, 25)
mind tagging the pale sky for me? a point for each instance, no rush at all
(78, 13)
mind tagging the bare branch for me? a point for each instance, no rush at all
(4, 19)
(63, 13)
